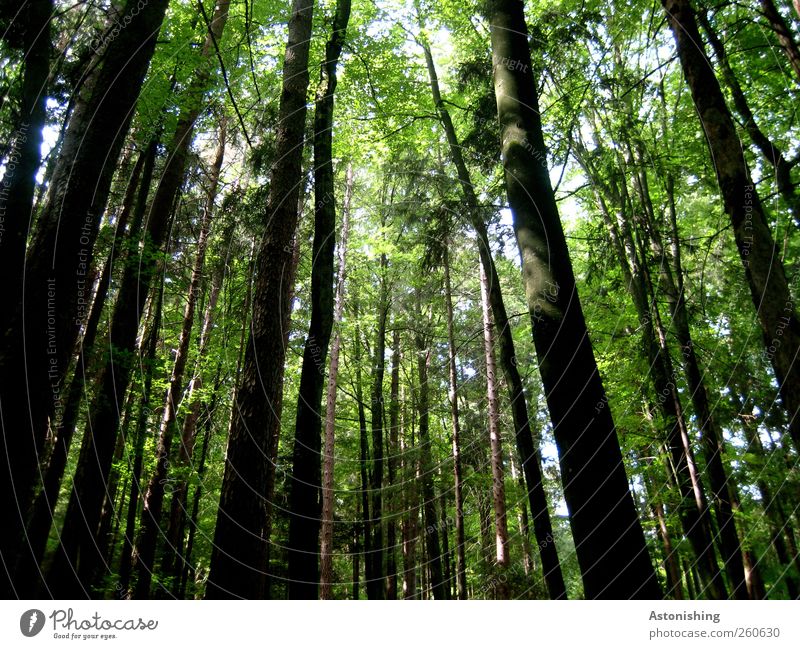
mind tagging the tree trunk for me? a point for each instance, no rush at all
(92, 473)
(391, 465)
(768, 149)
(152, 505)
(239, 554)
(410, 470)
(526, 445)
(188, 568)
(784, 34)
(24, 153)
(723, 490)
(173, 562)
(328, 485)
(498, 479)
(609, 540)
(522, 521)
(375, 568)
(39, 336)
(427, 467)
(305, 485)
(765, 274)
(461, 570)
(148, 363)
(38, 527)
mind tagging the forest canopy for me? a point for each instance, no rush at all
(399, 299)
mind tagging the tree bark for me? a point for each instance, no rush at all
(768, 149)
(40, 335)
(526, 445)
(328, 458)
(391, 469)
(498, 479)
(305, 484)
(432, 523)
(461, 569)
(24, 152)
(765, 274)
(375, 568)
(239, 555)
(784, 34)
(609, 540)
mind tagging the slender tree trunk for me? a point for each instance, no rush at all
(305, 485)
(152, 505)
(498, 479)
(768, 149)
(522, 521)
(526, 445)
(239, 554)
(39, 336)
(148, 366)
(784, 34)
(328, 494)
(780, 529)
(461, 570)
(366, 522)
(190, 569)
(376, 572)
(410, 470)
(764, 272)
(174, 558)
(391, 465)
(609, 540)
(726, 499)
(427, 467)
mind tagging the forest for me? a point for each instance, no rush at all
(400, 299)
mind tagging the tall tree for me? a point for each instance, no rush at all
(238, 558)
(608, 536)
(528, 449)
(496, 446)
(305, 493)
(39, 336)
(763, 269)
(328, 456)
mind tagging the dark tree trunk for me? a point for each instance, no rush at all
(328, 483)
(526, 445)
(427, 467)
(723, 490)
(305, 497)
(394, 451)
(40, 338)
(408, 531)
(768, 149)
(189, 569)
(376, 573)
(92, 474)
(23, 156)
(784, 34)
(502, 560)
(41, 519)
(765, 274)
(173, 560)
(239, 554)
(461, 570)
(609, 540)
